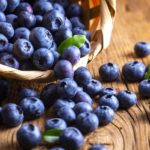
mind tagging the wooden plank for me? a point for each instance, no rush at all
(131, 129)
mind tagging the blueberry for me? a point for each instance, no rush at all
(12, 115)
(72, 53)
(32, 108)
(133, 71)
(86, 48)
(6, 29)
(22, 33)
(142, 49)
(98, 147)
(64, 3)
(67, 114)
(74, 10)
(26, 19)
(1, 119)
(29, 136)
(2, 17)
(53, 46)
(3, 42)
(59, 8)
(42, 7)
(49, 94)
(55, 123)
(12, 5)
(41, 37)
(71, 138)
(12, 19)
(39, 20)
(144, 88)
(63, 69)
(9, 48)
(105, 114)
(24, 6)
(67, 88)
(77, 23)
(82, 96)
(93, 88)
(9, 60)
(67, 24)
(4, 88)
(53, 20)
(3, 5)
(63, 103)
(62, 34)
(87, 122)
(126, 99)
(78, 30)
(109, 100)
(82, 76)
(105, 91)
(109, 72)
(27, 92)
(23, 49)
(57, 148)
(43, 59)
(82, 107)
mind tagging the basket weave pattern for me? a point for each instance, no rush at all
(98, 17)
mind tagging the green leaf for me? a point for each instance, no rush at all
(52, 136)
(147, 74)
(76, 40)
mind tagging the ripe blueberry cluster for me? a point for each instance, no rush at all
(32, 31)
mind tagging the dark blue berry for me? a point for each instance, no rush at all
(133, 71)
(3, 5)
(67, 114)
(109, 72)
(59, 8)
(41, 37)
(53, 47)
(53, 20)
(93, 88)
(71, 138)
(39, 20)
(126, 99)
(63, 103)
(9, 60)
(82, 76)
(82, 107)
(2, 17)
(32, 108)
(63, 69)
(57, 148)
(86, 48)
(67, 24)
(23, 49)
(9, 48)
(63, 3)
(109, 100)
(22, 33)
(77, 23)
(12, 19)
(142, 49)
(144, 88)
(105, 91)
(29, 136)
(71, 53)
(82, 96)
(26, 19)
(6, 29)
(43, 59)
(105, 114)
(67, 88)
(98, 147)
(49, 94)
(87, 122)
(28, 92)
(42, 7)
(12, 5)
(55, 123)
(3, 42)
(12, 115)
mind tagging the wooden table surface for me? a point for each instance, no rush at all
(130, 129)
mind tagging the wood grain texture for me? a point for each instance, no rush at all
(130, 129)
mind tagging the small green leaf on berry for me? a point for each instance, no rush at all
(147, 74)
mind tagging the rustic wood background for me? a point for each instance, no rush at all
(130, 129)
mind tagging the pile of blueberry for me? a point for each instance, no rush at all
(32, 30)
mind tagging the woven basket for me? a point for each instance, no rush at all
(99, 18)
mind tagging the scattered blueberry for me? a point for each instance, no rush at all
(98, 147)
(105, 91)
(71, 138)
